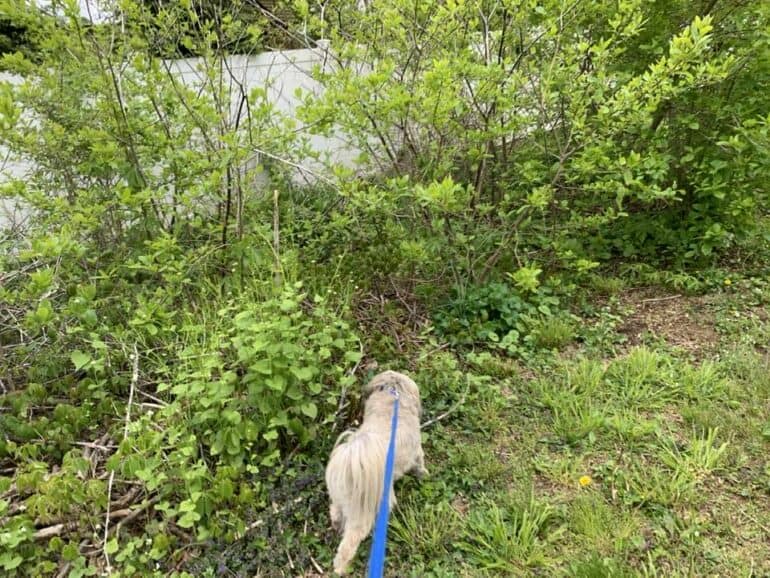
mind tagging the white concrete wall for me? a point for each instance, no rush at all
(280, 74)
(11, 213)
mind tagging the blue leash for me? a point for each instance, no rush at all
(377, 556)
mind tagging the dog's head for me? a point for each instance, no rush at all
(407, 389)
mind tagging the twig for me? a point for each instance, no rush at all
(94, 446)
(134, 513)
(317, 566)
(126, 500)
(50, 531)
(152, 397)
(344, 391)
(97, 445)
(276, 240)
(153, 405)
(134, 381)
(122, 513)
(656, 299)
(181, 534)
(434, 350)
(449, 411)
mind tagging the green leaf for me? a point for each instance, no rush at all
(276, 382)
(295, 393)
(263, 366)
(303, 373)
(112, 546)
(353, 356)
(9, 562)
(232, 416)
(70, 552)
(310, 410)
(188, 520)
(187, 506)
(80, 359)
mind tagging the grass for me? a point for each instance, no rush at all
(642, 453)
(671, 443)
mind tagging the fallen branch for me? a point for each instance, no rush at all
(152, 405)
(93, 446)
(181, 534)
(151, 397)
(64, 570)
(656, 299)
(317, 566)
(134, 513)
(127, 421)
(122, 513)
(51, 531)
(126, 499)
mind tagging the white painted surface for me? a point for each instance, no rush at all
(280, 74)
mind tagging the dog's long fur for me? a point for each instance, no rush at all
(356, 471)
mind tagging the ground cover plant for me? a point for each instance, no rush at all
(558, 228)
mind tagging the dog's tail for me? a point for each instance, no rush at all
(355, 476)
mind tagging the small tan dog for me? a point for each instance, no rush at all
(355, 474)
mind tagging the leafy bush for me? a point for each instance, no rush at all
(496, 315)
(638, 129)
(175, 340)
(148, 326)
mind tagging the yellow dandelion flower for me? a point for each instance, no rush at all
(585, 481)
(728, 281)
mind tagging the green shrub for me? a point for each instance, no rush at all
(496, 315)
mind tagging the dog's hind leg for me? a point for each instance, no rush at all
(337, 519)
(353, 536)
(418, 469)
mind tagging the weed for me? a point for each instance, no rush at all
(551, 332)
(599, 526)
(563, 468)
(703, 382)
(584, 377)
(701, 458)
(508, 535)
(641, 378)
(596, 566)
(644, 483)
(575, 420)
(425, 531)
(630, 426)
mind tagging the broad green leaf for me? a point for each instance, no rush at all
(80, 359)
(310, 410)
(303, 373)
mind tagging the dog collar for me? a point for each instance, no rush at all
(391, 390)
